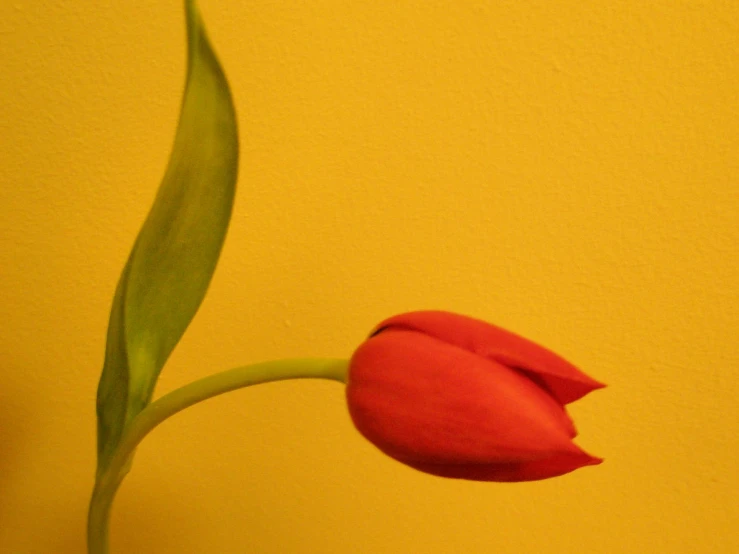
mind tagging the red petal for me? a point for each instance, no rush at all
(534, 470)
(565, 382)
(422, 400)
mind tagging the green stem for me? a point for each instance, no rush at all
(107, 483)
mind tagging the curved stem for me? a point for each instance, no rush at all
(107, 484)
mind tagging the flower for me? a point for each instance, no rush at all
(457, 397)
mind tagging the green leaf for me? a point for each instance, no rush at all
(175, 254)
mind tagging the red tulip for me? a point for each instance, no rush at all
(457, 397)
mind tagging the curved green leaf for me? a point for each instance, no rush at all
(174, 257)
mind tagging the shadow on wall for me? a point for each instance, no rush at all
(16, 431)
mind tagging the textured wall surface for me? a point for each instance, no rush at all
(564, 169)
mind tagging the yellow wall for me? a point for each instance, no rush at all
(567, 169)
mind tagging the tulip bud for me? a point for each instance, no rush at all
(457, 397)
